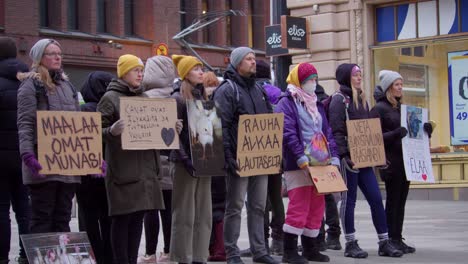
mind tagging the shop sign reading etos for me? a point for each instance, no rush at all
(294, 32)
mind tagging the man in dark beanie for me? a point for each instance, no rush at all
(12, 191)
(239, 94)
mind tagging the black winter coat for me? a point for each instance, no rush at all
(337, 109)
(247, 98)
(390, 120)
(9, 149)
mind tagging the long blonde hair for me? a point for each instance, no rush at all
(393, 101)
(44, 76)
(359, 97)
(186, 89)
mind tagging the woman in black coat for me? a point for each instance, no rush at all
(388, 97)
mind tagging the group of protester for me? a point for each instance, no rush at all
(200, 216)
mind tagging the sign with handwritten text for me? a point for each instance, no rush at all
(365, 142)
(69, 143)
(149, 123)
(260, 144)
(327, 179)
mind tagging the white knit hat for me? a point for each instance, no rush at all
(387, 77)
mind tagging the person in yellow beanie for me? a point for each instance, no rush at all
(129, 172)
(191, 195)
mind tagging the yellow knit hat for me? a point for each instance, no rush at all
(185, 64)
(126, 63)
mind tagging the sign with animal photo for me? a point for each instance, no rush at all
(149, 123)
(260, 144)
(416, 151)
(62, 248)
(327, 179)
(206, 138)
(69, 143)
(365, 142)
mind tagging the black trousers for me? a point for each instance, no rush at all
(126, 232)
(276, 206)
(397, 189)
(13, 193)
(93, 217)
(152, 225)
(332, 219)
(51, 204)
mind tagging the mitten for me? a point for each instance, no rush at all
(33, 165)
(428, 128)
(103, 170)
(117, 128)
(401, 132)
(349, 164)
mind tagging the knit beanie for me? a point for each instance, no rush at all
(238, 54)
(387, 77)
(185, 64)
(263, 70)
(301, 73)
(126, 63)
(7, 48)
(37, 50)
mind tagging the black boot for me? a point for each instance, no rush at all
(333, 242)
(352, 250)
(403, 247)
(387, 248)
(290, 254)
(311, 250)
(322, 243)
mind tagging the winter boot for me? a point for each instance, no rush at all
(333, 242)
(290, 254)
(322, 243)
(402, 246)
(352, 250)
(217, 249)
(311, 249)
(387, 248)
(276, 247)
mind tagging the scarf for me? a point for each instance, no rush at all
(309, 100)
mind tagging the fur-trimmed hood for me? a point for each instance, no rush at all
(37, 76)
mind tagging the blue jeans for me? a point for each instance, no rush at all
(367, 182)
(14, 193)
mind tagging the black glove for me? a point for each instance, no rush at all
(188, 166)
(401, 131)
(231, 165)
(349, 164)
(428, 129)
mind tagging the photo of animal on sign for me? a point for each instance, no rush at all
(149, 123)
(206, 138)
(58, 248)
(260, 144)
(69, 143)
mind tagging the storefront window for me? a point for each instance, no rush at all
(429, 83)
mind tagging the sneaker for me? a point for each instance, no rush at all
(388, 248)
(333, 243)
(163, 257)
(267, 259)
(235, 260)
(352, 250)
(147, 259)
(404, 247)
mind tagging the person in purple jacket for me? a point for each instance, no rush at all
(307, 141)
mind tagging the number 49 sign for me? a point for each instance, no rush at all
(458, 96)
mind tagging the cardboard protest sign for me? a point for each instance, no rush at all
(72, 247)
(260, 144)
(365, 142)
(206, 138)
(149, 123)
(416, 151)
(327, 179)
(69, 143)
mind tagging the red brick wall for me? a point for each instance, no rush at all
(87, 11)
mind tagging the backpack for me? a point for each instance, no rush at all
(346, 101)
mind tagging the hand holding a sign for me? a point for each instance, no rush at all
(34, 166)
(428, 128)
(103, 170)
(117, 128)
(349, 164)
(401, 131)
(179, 126)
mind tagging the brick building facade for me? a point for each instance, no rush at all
(85, 29)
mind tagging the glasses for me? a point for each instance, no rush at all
(54, 54)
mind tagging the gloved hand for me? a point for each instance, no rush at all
(428, 128)
(401, 131)
(349, 164)
(103, 170)
(34, 166)
(188, 165)
(231, 165)
(384, 167)
(117, 128)
(179, 126)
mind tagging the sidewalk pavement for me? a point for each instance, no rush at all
(438, 230)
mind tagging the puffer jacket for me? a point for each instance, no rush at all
(390, 120)
(337, 109)
(9, 148)
(132, 175)
(293, 146)
(246, 98)
(33, 96)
